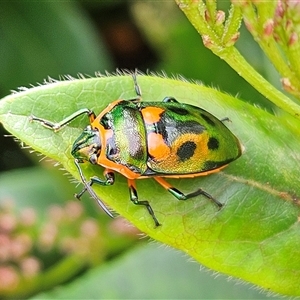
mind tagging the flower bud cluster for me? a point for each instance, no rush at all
(287, 22)
(31, 243)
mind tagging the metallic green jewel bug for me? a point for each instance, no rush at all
(151, 140)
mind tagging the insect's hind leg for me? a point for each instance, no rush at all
(137, 89)
(181, 196)
(169, 99)
(134, 198)
(226, 119)
(136, 85)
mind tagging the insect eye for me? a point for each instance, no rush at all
(79, 160)
(93, 159)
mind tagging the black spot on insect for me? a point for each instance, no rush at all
(137, 152)
(160, 128)
(112, 151)
(213, 144)
(192, 127)
(208, 119)
(179, 110)
(186, 150)
(106, 121)
(211, 165)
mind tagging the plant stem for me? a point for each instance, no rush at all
(244, 69)
(232, 24)
(194, 10)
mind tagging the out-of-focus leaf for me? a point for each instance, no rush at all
(34, 187)
(152, 272)
(46, 38)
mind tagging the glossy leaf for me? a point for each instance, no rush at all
(254, 237)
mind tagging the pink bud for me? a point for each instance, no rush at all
(28, 217)
(89, 228)
(220, 17)
(293, 39)
(47, 237)
(268, 28)
(56, 213)
(208, 43)
(30, 266)
(207, 16)
(279, 12)
(9, 278)
(4, 247)
(233, 39)
(73, 210)
(249, 26)
(8, 222)
(20, 245)
(286, 83)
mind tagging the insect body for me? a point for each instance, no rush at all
(151, 139)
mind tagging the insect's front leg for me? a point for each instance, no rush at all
(57, 126)
(109, 180)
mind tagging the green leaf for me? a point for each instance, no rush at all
(155, 273)
(254, 237)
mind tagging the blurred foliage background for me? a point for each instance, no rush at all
(46, 237)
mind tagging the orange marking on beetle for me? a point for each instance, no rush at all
(157, 147)
(200, 140)
(171, 162)
(163, 183)
(106, 171)
(106, 110)
(131, 183)
(152, 114)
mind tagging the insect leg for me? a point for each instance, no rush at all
(59, 125)
(109, 180)
(134, 198)
(136, 85)
(169, 99)
(137, 89)
(226, 119)
(181, 196)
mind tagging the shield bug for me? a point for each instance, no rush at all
(150, 140)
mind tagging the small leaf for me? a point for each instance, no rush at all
(254, 237)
